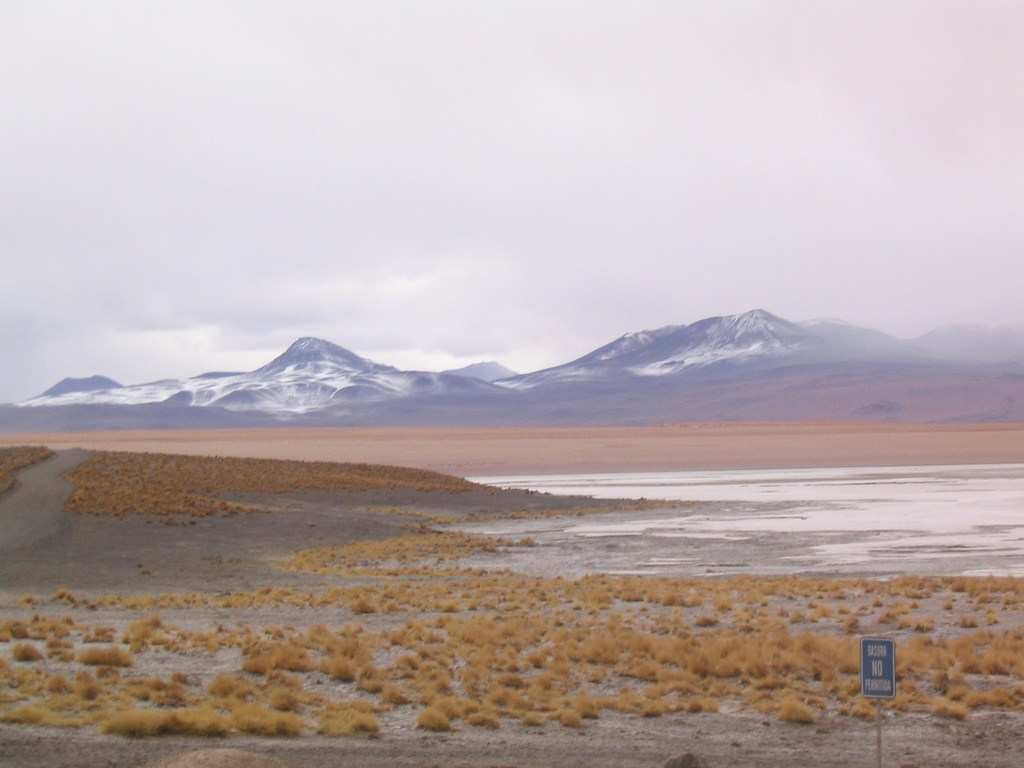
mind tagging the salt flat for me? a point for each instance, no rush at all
(879, 521)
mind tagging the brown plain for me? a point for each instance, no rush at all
(482, 451)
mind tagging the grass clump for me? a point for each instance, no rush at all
(792, 710)
(485, 717)
(289, 657)
(569, 718)
(947, 708)
(141, 723)
(26, 652)
(347, 721)
(36, 714)
(107, 656)
(260, 721)
(434, 719)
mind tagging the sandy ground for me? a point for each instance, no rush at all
(487, 451)
(95, 556)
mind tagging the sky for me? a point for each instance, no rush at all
(192, 186)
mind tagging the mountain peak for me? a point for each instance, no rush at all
(755, 319)
(309, 350)
(756, 323)
(757, 334)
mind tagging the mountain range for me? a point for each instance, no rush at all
(752, 366)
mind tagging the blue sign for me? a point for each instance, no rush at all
(877, 668)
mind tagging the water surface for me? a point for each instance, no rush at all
(877, 521)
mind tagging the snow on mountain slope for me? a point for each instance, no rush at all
(674, 348)
(734, 337)
(309, 375)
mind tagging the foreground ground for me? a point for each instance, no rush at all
(215, 617)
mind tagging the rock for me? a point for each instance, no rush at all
(689, 760)
(218, 758)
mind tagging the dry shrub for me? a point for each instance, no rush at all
(347, 721)
(363, 604)
(13, 630)
(160, 692)
(284, 699)
(532, 719)
(288, 657)
(86, 687)
(32, 714)
(139, 723)
(169, 486)
(227, 686)
(586, 706)
(134, 723)
(655, 708)
(203, 720)
(257, 720)
(433, 719)
(396, 556)
(58, 683)
(863, 709)
(510, 680)
(343, 670)
(485, 717)
(570, 718)
(64, 596)
(109, 656)
(392, 694)
(793, 710)
(18, 457)
(26, 652)
(99, 635)
(947, 708)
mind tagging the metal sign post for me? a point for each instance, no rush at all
(878, 677)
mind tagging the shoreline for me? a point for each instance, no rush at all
(487, 451)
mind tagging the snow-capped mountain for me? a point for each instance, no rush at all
(675, 348)
(751, 366)
(309, 375)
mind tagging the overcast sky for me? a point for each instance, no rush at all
(191, 186)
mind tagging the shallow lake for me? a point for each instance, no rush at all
(877, 521)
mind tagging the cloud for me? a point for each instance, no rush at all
(191, 186)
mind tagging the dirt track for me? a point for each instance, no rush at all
(41, 489)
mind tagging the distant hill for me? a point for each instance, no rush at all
(90, 384)
(488, 371)
(753, 367)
